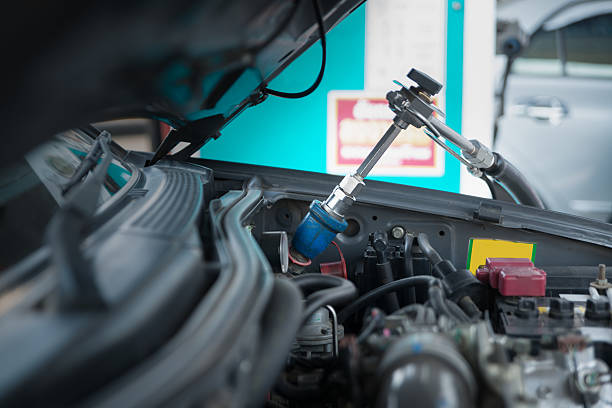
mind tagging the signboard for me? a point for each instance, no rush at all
(356, 120)
(404, 34)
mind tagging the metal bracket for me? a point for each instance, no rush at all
(334, 317)
(191, 133)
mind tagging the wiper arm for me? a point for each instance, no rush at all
(78, 288)
(85, 197)
(89, 162)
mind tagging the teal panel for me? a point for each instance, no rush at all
(292, 133)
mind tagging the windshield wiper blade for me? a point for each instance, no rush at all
(89, 162)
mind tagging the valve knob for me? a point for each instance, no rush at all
(427, 83)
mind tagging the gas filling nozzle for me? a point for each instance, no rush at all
(326, 219)
(412, 106)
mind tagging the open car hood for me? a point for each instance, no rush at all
(194, 65)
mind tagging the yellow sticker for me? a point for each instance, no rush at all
(482, 248)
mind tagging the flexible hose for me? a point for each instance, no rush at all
(368, 329)
(309, 283)
(320, 290)
(280, 325)
(384, 275)
(429, 251)
(438, 303)
(469, 307)
(505, 172)
(382, 290)
(457, 312)
(490, 185)
(408, 267)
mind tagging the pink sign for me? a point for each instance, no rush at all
(356, 121)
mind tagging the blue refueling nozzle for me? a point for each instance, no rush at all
(412, 106)
(326, 219)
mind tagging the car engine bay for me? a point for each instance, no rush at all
(209, 302)
(392, 317)
(468, 345)
(140, 279)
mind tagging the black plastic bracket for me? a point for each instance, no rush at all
(191, 133)
(488, 212)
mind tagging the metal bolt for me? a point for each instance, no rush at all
(601, 283)
(398, 232)
(456, 5)
(601, 276)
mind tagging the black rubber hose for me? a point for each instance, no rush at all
(469, 307)
(280, 325)
(491, 186)
(505, 172)
(457, 312)
(382, 290)
(429, 251)
(384, 275)
(321, 290)
(438, 302)
(408, 267)
(309, 283)
(375, 320)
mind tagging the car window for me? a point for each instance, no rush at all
(588, 45)
(31, 191)
(540, 57)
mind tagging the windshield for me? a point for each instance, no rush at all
(31, 191)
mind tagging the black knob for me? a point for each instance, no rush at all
(379, 243)
(379, 240)
(597, 309)
(561, 309)
(526, 309)
(427, 83)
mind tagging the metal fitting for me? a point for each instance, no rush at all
(338, 202)
(601, 283)
(398, 232)
(343, 195)
(475, 171)
(352, 184)
(482, 158)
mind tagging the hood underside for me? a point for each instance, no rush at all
(181, 62)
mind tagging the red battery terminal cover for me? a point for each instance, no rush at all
(513, 276)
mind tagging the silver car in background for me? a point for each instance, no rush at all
(557, 116)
